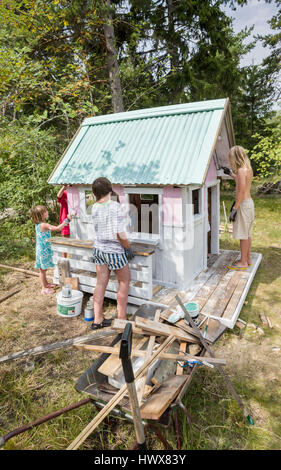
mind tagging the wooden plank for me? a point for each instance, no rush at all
(220, 297)
(25, 271)
(45, 348)
(180, 323)
(112, 365)
(155, 406)
(160, 329)
(149, 350)
(63, 270)
(234, 301)
(117, 398)
(142, 292)
(73, 281)
(179, 370)
(215, 330)
(139, 249)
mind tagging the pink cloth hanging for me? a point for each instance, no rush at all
(73, 199)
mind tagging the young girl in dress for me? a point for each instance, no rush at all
(39, 215)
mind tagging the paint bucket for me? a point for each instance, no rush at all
(66, 290)
(69, 306)
(88, 313)
(193, 310)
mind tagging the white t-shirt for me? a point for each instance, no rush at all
(108, 220)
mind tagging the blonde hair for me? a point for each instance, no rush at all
(37, 214)
(238, 158)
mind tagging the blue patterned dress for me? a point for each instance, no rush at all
(44, 251)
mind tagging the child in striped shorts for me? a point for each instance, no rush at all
(111, 251)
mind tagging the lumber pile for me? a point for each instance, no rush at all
(177, 346)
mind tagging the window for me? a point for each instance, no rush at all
(196, 201)
(144, 213)
(90, 200)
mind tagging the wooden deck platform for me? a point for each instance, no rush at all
(219, 291)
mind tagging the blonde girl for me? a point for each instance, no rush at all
(242, 213)
(39, 215)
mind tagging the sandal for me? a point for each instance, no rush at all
(51, 285)
(239, 268)
(106, 322)
(47, 290)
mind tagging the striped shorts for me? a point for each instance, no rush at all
(112, 260)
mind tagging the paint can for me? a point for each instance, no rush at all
(69, 306)
(88, 313)
(193, 310)
(66, 290)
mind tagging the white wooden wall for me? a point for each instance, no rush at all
(174, 263)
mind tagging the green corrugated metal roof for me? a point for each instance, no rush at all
(167, 145)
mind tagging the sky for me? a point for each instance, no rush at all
(255, 13)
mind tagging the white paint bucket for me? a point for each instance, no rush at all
(193, 310)
(69, 306)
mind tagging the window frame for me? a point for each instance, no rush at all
(143, 236)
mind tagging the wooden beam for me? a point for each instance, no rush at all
(119, 325)
(42, 349)
(149, 350)
(25, 271)
(142, 353)
(164, 330)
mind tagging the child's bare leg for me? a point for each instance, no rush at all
(103, 274)
(249, 257)
(123, 278)
(43, 278)
(244, 254)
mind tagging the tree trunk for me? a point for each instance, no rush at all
(172, 48)
(112, 63)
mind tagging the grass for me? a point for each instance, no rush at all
(218, 423)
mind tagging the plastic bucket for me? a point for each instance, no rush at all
(193, 310)
(69, 306)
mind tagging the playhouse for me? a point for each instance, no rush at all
(164, 164)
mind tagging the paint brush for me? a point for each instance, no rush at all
(206, 328)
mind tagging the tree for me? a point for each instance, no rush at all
(112, 62)
(267, 152)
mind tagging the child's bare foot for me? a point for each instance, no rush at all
(47, 290)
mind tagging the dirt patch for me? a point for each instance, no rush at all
(29, 319)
